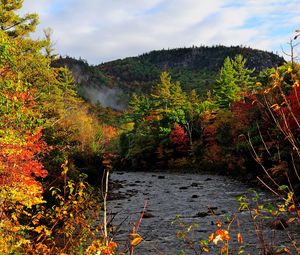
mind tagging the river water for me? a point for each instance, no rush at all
(201, 199)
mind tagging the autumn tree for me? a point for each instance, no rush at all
(154, 117)
(34, 98)
(43, 124)
(179, 138)
(21, 143)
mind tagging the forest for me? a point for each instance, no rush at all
(239, 118)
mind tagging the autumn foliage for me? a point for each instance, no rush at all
(19, 161)
(291, 108)
(45, 127)
(43, 124)
(179, 138)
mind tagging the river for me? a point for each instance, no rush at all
(202, 199)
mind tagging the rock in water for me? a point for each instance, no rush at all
(278, 224)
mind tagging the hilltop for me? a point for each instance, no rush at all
(195, 68)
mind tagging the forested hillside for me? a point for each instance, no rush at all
(195, 68)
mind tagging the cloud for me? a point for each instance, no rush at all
(99, 30)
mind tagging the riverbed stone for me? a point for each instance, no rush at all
(278, 224)
(148, 215)
(183, 188)
(201, 214)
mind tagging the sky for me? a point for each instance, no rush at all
(104, 30)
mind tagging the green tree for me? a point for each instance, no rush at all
(233, 79)
(227, 89)
(154, 116)
(242, 74)
(139, 107)
(12, 23)
(170, 102)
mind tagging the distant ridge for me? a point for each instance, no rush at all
(204, 57)
(195, 67)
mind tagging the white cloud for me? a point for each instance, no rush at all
(99, 30)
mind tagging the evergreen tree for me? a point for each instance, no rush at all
(12, 23)
(233, 79)
(167, 95)
(242, 74)
(139, 107)
(170, 102)
(227, 91)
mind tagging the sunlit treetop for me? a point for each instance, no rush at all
(13, 23)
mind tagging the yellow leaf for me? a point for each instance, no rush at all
(14, 217)
(211, 237)
(273, 75)
(136, 241)
(291, 220)
(290, 198)
(275, 107)
(281, 208)
(240, 238)
(38, 229)
(205, 249)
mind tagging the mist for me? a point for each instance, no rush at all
(107, 97)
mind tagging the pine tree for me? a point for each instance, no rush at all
(170, 101)
(12, 23)
(233, 79)
(168, 95)
(227, 91)
(242, 74)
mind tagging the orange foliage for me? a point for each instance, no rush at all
(292, 112)
(179, 138)
(97, 247)
(109, 133)
(19, 162)
(242, 109)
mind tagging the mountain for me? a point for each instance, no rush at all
(195, 68)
